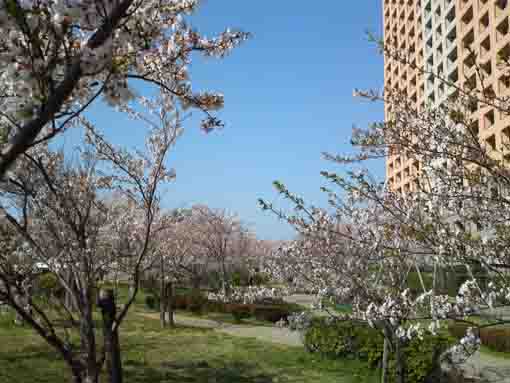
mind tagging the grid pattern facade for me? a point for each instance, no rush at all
(443, 35)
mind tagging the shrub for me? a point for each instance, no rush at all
(271, 313)
(240, 312)
(197, 303)
(48, 285)
(238, 279)
(353, 340)
(414, 283)
(152, 302)
(495, 338)
(259, 279)
(215, 306)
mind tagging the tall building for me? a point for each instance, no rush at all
(441, 37)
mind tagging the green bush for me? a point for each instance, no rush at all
(270, 313)
(197, 302)
(414, 283)
(259, 279)
(152, 302)
(495, 338)
(48, 285)
(354, 340)
(240, 312)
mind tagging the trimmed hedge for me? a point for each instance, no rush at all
(495, 338)
(350, 340)
(269, 311)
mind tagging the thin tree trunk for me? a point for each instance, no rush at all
(385, 359)
(386, 354)
(88, 339)
(163, 304)
(400, 363)
(77, 370)
(170, 303)
(111, 337)
(162, 295)
(225, 287)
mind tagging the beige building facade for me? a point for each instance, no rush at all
(443, 37)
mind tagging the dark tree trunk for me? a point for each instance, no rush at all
(88, 338)
(111, 337)
(170, 303)
(400, 362)
(77, 370)
(385, 359)
(387, 348)
(163, 303)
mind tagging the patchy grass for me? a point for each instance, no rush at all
(227, 318)
(501, 355)
(152, 355)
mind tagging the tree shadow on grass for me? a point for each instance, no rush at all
(195, 372)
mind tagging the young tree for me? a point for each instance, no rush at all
(58, 57)
(173, 258)
(62, 221)
(217, 236)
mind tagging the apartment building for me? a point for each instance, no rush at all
(440, 36)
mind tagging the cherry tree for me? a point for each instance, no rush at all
(173, 258)
(57, 57)
(365, 244)
(58, 212)
(217, 236)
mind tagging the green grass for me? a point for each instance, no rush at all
(227, 318)
(152, 355)
(496, 354)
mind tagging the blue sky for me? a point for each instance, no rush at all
(288, 94)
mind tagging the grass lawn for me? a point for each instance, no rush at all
(496, 354)
(152, 355)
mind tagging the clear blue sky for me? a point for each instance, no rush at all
(288, 94)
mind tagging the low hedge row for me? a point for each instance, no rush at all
(199, 304)
(358, 341)
(496, 338)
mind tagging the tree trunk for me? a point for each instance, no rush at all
(163, 303)
(400, 362)
(385, 359)
(111, 337)
(77, 370)
(170, 303)
(68, 298)
(387, 349)
(162, 293)
(225, 285)
(88, 338)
